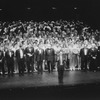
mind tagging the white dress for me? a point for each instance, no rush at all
(73, 58)
(70, 56)
(76, 55)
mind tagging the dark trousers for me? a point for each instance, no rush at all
(50, 65)
(84, 64)
(21, 66)
(98, 63)
(10, 68)
(2, 68)
(93, 65)
(30, 64)
(60, 73)
(67, 63)
(39, 67)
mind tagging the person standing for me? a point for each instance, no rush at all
(75, 56)
(50, 58)
(21, 60)
(98, 58)
(2, 62)
(60, 66)
(9, 56)
(29, 58)
(71, 58)
(84, 54)
(93, 59)
(39, 59)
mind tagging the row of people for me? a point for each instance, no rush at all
(32, 58)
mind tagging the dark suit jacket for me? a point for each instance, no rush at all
(82, 55)
(27, 51)
(39, 56)
(9, 59)
(1, 56)
(98, 56)
(93, 53)
(50, 54)
(63, 58)
(18, 54)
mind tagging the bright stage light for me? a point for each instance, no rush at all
(75, 8)
(28, 8)
(53, 8)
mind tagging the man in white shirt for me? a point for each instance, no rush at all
(21, 60)
(84, 54)
(9, 56)
(29, 51)
(2, 63)
(60, 66)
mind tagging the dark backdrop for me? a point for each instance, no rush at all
(86, 10)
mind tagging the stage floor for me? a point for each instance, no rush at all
(71, 78)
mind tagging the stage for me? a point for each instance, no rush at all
(77, 86)
(71, 78)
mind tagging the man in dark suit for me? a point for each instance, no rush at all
(21, 60)
(9, 56)
(93, 59)
(60, 65)
(39, 59)
(2, 62)
(98, 58)
(84, 54)
(29, 51)
(50, 58)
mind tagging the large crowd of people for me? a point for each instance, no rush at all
(28, 47)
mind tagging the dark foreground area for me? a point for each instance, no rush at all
(77, 86)
(80, 92)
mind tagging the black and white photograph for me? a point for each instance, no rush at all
(49, 50)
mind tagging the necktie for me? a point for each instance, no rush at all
(61, 63)
(21, 54)
(85, 51)
(10, 53)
